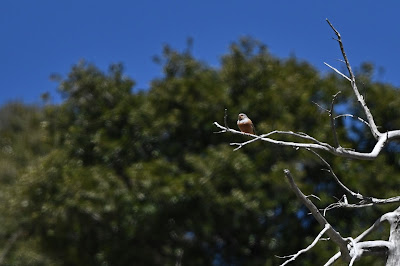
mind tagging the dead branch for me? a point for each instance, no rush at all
(352, 116)
(330, 170)
(369, 246)
(383, 140)
(350, 249)
(335, 236)
(354, 249)
(337, 71)
(294, 256)
(374, 130)
(331, 112)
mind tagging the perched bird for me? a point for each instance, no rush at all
(245, 125)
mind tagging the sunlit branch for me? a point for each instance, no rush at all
(294, 256)
(374, 130)
(356, 195)
(337, 71)
(339, 151)
(335, 236)
(352, 116)
(355, 241)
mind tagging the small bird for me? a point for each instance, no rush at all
(245, 125)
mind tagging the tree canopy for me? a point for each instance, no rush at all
(116, 176)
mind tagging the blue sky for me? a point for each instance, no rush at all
(41, 37)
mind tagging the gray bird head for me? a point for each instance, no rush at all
(242, 116)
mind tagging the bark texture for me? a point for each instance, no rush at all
(394, 253)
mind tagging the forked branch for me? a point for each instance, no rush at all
(335, 236)
(382, 138)
(293, 257)
(319, 145)
(372, 246)
(350, 249)
(374, 130)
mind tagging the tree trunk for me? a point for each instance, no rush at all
(394, 252)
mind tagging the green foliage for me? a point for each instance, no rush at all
(116, 177)
(22, 144)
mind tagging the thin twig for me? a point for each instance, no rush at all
(320, 107)
(331, 112)
(337, 71)
(294, 256)
(354, 194)
(368, 202)
(263, 137)
(365, 201)
(313, 196)
(225, 118)
(352, 116)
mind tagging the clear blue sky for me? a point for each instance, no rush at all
(40, 37)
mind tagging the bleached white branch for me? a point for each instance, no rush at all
(382, 138)
(313, 196)
(299, 135)
(386, 217)
(374, 130)
(294, 256)
(359, 249)
(365, 201)
(370, 201)
(330, 170)
(319, 145)
(337, 71)
(333, 259)
(352, 116)
(355, 249)
(332, 233)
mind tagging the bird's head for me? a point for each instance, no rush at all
(242, 116)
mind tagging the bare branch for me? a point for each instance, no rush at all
(352, 116)
(322, 108)
(335, 236)
(364, 200)
(225, 118)
(374, 130)
(335, 138)
(356, 195)
(262, 137)
(313, 196)
(337, 71)
(226, 129)
(333, 259)
(339, 151)
(369, 201)
(350, 249)
(294, 256)
(361, 236)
